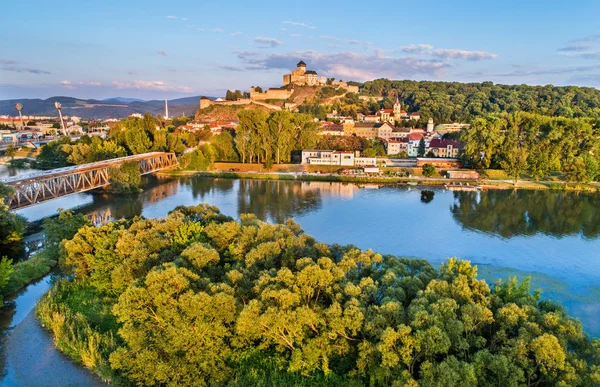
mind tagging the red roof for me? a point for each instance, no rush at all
(415, 136)
(415, 114)
(388, 110)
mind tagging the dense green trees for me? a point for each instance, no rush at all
(523, 141)
(199, 299)
(128, 137)
(462, 102)
(12, 227)
(125, 178)
(272, 138)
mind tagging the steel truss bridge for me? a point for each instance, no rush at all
(38, 187)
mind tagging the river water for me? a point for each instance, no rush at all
(554, 237)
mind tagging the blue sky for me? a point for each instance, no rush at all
(168, 49)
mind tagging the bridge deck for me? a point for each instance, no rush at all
(33, 188)
(78, 168)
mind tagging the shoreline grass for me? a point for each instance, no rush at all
(485, 183)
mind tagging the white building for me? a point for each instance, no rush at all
(328, 157)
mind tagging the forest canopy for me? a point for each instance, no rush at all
(461, 102)
(197, 298)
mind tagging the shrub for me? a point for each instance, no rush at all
(428, 170)
(126, 178)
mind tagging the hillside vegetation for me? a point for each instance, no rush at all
(199, 299)
(226, 112)
(461, 102)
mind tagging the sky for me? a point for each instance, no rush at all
(153, 49)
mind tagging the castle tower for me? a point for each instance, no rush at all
(397, 109)
(430, 125)
(205, 102)
(301, 67)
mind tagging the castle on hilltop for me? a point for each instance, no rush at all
(303, 77)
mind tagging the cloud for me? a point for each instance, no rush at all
(417, 48)
(295, 35)
(13, 65)
(447, 53)
(161, 52)
(587, 47)
(176, 18)
(300, 24)
(355, 42)
(216, 30)
(231, 68)
(172, 17)
(235, 34)
(72, 85)
(588, 38)
(521, 72)
(267, 42)
(576, 47)
(150, 85)
(355, 66)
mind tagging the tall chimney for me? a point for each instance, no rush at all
(166, 109)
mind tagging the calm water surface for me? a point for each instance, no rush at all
(552, 236)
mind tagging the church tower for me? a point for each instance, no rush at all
(397, 110)
(430, 125)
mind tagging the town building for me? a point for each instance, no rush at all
(445, 148)
(332, 130)
(341, 158)
(396, 146)
(328, 157)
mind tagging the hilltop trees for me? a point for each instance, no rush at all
(462, 102)
(198, 298)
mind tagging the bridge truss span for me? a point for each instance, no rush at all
(38, 187)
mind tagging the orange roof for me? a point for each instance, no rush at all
(415, 136)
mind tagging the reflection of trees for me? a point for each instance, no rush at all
(516, 213)
(277, 200)
(427, 196)
(201, 186)
(128, 206)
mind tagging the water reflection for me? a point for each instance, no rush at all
(278, 200)
(427, 196)
(514, 213)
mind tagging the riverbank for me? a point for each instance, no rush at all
(27, 351)
(392, 180)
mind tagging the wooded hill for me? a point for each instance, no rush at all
(461, 102)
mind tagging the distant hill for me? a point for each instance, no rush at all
(117, 107)
(122, 100)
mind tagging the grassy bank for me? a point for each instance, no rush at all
(486, 183)
(28, 271)
(291, 177)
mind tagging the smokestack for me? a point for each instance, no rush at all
(166, 109)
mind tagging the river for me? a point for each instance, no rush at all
(552, 236)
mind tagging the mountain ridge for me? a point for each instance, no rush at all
(116, 107)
